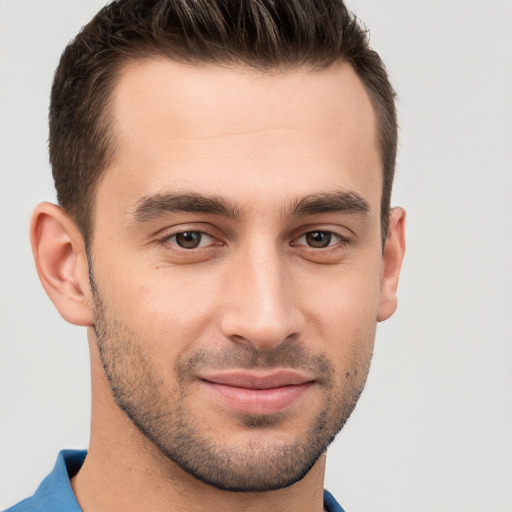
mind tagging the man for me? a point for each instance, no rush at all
(224, 232)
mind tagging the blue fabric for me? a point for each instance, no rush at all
(55, 493)
(330, 504)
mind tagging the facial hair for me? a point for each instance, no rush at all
(169, 420)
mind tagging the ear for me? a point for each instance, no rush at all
(394, 250)
(61, 262)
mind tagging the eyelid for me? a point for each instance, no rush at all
(166, 237)
(342, 239)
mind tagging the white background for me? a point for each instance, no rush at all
(433, 430)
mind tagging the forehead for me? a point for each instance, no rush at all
(195, 94)
(203, 128)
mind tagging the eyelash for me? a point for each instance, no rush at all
(340, 241)
(168, 239)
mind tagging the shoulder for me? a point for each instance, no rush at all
(55, 493)
(330, 503)
(27, 505)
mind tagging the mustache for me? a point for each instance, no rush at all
(246, 357)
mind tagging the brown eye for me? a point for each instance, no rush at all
(189, 239)
(318, 239)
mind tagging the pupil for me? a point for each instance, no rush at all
(188, 239)
(318, 239)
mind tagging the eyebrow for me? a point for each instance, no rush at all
(151, 207)
(347, 202)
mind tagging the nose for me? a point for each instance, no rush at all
(261, 308)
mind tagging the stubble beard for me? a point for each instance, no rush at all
(168, 419)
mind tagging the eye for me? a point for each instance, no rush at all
(191, 239)
(320, 239)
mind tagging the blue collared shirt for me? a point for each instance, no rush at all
(55, 493)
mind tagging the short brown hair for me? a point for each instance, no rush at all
(263, 34)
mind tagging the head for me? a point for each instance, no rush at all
(224, 173)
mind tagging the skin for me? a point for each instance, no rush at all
(253, 289)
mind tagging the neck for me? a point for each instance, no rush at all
(110, 482)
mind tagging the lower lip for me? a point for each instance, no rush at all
(259, 401)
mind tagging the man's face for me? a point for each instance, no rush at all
(236, 262)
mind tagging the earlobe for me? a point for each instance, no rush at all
(61, 262)
(394, 250)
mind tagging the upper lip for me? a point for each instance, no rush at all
(258, 381)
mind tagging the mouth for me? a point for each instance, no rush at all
(254, 393)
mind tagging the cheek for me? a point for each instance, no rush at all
(342, 301)
(167, 309)
(341, 317)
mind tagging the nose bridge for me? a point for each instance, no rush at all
(262, 308)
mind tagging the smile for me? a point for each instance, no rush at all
(258, 394)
